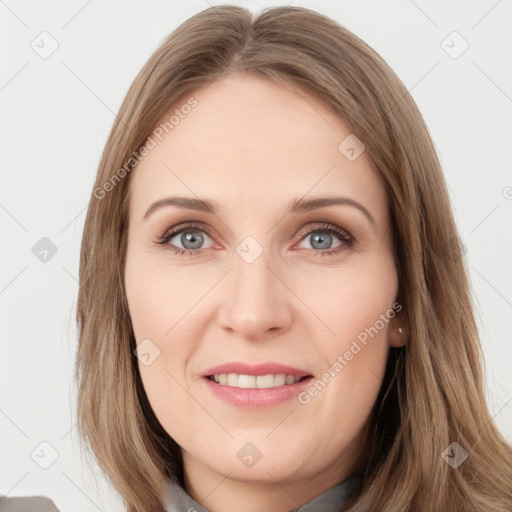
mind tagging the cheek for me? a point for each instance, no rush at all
(157, 298)
(358, 311)
(352, 300)
(158, 311)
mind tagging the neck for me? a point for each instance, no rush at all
(225, 494)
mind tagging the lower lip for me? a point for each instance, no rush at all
(255, 398)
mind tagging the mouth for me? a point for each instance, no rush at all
(254, 386)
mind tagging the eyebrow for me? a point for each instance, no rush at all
(298, 205)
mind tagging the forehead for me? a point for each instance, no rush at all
(248, 140)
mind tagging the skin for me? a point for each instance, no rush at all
(253, 146)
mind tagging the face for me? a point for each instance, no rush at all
(290, 308)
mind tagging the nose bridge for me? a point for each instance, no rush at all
(256, 300)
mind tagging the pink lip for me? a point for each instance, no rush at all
(252, 398)
(259, 369)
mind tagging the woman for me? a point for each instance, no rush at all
(274, 312)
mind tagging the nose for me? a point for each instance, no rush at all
(255, 303)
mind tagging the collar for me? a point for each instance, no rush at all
(178, 500)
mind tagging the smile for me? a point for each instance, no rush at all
(252, 381)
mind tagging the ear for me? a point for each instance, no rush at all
(399, 331)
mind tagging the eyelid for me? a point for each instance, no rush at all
(177, 229)
(187, 225)
(323, 226)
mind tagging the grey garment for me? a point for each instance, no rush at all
(27, 504)
(178, 500)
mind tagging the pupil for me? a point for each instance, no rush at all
(196, 241)
(324, 239)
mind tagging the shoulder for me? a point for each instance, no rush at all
(27, 504)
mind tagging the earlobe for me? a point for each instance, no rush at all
(398, 333)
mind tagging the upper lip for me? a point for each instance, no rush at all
(270, 368)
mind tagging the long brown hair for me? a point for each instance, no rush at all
(432, 395)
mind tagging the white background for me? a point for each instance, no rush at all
(55, 117)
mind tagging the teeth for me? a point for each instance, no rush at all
(250, 381)
(232, 379)
(265, 381)
(279, 379)
(246, 381)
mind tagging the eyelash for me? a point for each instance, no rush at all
(348, 240)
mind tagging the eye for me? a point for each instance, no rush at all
(321, 239)
(192, 237)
